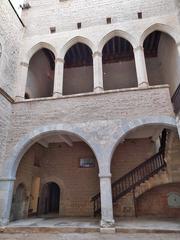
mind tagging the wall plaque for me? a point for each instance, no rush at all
(174, 200)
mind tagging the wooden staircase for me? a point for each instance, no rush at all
(136, 177)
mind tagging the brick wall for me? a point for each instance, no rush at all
(173, 155)
(155, 202)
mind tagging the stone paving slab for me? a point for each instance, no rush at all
(156, 225)
(89, 236)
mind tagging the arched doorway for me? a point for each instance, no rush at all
(19, 203)
(49, 199)
(119, 69)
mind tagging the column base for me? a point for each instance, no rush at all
(4, 222)
(98, 89)
(107, 223)
(143, 85)
(57, 94)
(108, 230)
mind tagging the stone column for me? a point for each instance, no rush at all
(141, 67)
(21, 84)
(58, 78)
(6, 193)
(107, 219)
(98, 72)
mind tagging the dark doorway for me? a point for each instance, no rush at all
(18, 210)
(50, 198)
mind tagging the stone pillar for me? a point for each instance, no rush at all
(98, 72)
(58, 78)
(141, 67)
(21, 84)
(6, 193)
(107, 219)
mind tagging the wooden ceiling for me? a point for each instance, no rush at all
(115, 50)
(78, 55)
(151, 44)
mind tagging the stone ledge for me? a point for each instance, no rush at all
(108, 230)
(93, 93)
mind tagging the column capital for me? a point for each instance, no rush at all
(7, 179)
(61, 60)
(97, 53)
(138, 48)
(24, 64)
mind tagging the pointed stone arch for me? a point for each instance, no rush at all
(174, 33)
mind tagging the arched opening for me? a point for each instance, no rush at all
(118, 64)
(61, 174)
(19, 203)
(136, 164)
(40, 79)
(162, 60)
(78, 70)
(49, 199)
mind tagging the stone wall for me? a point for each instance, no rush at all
(88, 12)
(11, 32)
(77, 111)
(5, 117)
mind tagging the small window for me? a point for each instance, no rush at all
(139, 15)
(79, 25)
(26, 96)
(108, 20)
(52, 29)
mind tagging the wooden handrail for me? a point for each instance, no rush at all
(135, 177)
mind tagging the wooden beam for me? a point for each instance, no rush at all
(66, 139)
(43, 143)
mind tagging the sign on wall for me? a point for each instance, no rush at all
(87, 162)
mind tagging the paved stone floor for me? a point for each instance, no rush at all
(128, 228)
(90, 236)
(121, 223)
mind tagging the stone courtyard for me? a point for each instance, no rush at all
(90, 119)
